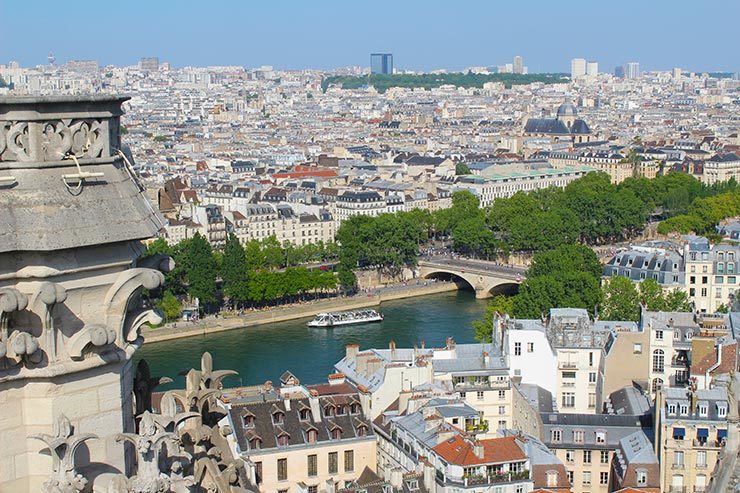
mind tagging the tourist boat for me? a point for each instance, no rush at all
(338, 319)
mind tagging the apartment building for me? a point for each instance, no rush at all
(635, 465)
(261, 221)
(562, 354)
(296, 438)
(213, 224)
(497, 185)
(355, 203)
(658, 260)
(475, 373)
(711, 273)
(720, 168)
(586, 444)
(690, 431)
(433, 437)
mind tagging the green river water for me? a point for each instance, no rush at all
(264, 352)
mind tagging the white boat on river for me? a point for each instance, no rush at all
(338, 319)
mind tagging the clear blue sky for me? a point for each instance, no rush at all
(421, 34)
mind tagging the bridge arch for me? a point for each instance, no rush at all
(483, 285)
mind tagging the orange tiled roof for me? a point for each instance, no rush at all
(458, 451)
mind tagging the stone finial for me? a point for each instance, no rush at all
(158, 468)
(144, 385)
(63, 445)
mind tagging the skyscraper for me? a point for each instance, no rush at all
(592, 69)
(518, 65)
(577, 68)
(619, 71)
(381, 63)
(150, 64)
(633, 70)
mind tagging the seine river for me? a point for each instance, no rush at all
(264, 352)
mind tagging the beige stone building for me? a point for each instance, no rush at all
(690, 431)
(302, 438)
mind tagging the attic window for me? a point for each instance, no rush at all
(277, 417)
(255, 443)
(248, 421)
(304, 414)
(362, 431)
(354, 408)
(341, 410)
(311, 436)
(336, 433)
(329, 411)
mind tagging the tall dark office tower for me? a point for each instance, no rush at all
(619, 71)
(381, 63)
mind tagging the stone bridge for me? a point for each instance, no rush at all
(486, 278)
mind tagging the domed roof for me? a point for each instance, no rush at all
(567, 109)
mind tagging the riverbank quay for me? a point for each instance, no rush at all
(211, 324)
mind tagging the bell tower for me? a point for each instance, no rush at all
(71, 223)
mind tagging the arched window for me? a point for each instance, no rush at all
(657, 384)
(658, 361)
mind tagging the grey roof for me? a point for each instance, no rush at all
(615, 426)
(628, 400)
(567, 109)
(555, 126)
(540, 399)
(636, 448)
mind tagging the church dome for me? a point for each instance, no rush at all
(567, 109)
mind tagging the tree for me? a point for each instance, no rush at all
(566, 258)
(677, 300)
(462, 169)
(501, 304)
(621, 300)
(537, 295)
(234, 271)
(199, 267)
(651, 295)
(170, 306)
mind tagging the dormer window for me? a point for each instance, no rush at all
(721, 410)
(255, 443)
(578, 436)
(278, 417)
(412, 484)
(362, 431)
(248, 420)
(283, 439)
(336, 433)
(684, 408)
(641, 477)
(341, 410)
(304, 414)
(552, 478)
(311, 436)
(354, 408)
(387, 488)
(672, 409)
(600, 437)
(328, 411)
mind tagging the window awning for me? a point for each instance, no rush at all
(721, 434)
(679, 432)
(702, 432)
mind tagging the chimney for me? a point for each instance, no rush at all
(331, 486)
(313, 402)
(478, 449)
(396, 478)
(486, 359)
(429, 474)
(392, 347)
(351, 351)
(337, 378)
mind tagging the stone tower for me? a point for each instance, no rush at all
(72, 216)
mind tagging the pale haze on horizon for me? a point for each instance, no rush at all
(422, 35)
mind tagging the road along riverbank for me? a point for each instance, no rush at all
(210, 325)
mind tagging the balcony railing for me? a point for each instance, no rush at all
(481, 427)
(567, 365)
(677, 489)
(706, 443)
(479, 479)
(678, 466)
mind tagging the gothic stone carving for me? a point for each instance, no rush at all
(63, 446)
(15, 345)
(83, 138)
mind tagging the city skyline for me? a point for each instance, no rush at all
(421, 36)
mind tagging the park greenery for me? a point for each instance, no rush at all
(589, 211)
(260, 273)
(569, 276)
(383, 82)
